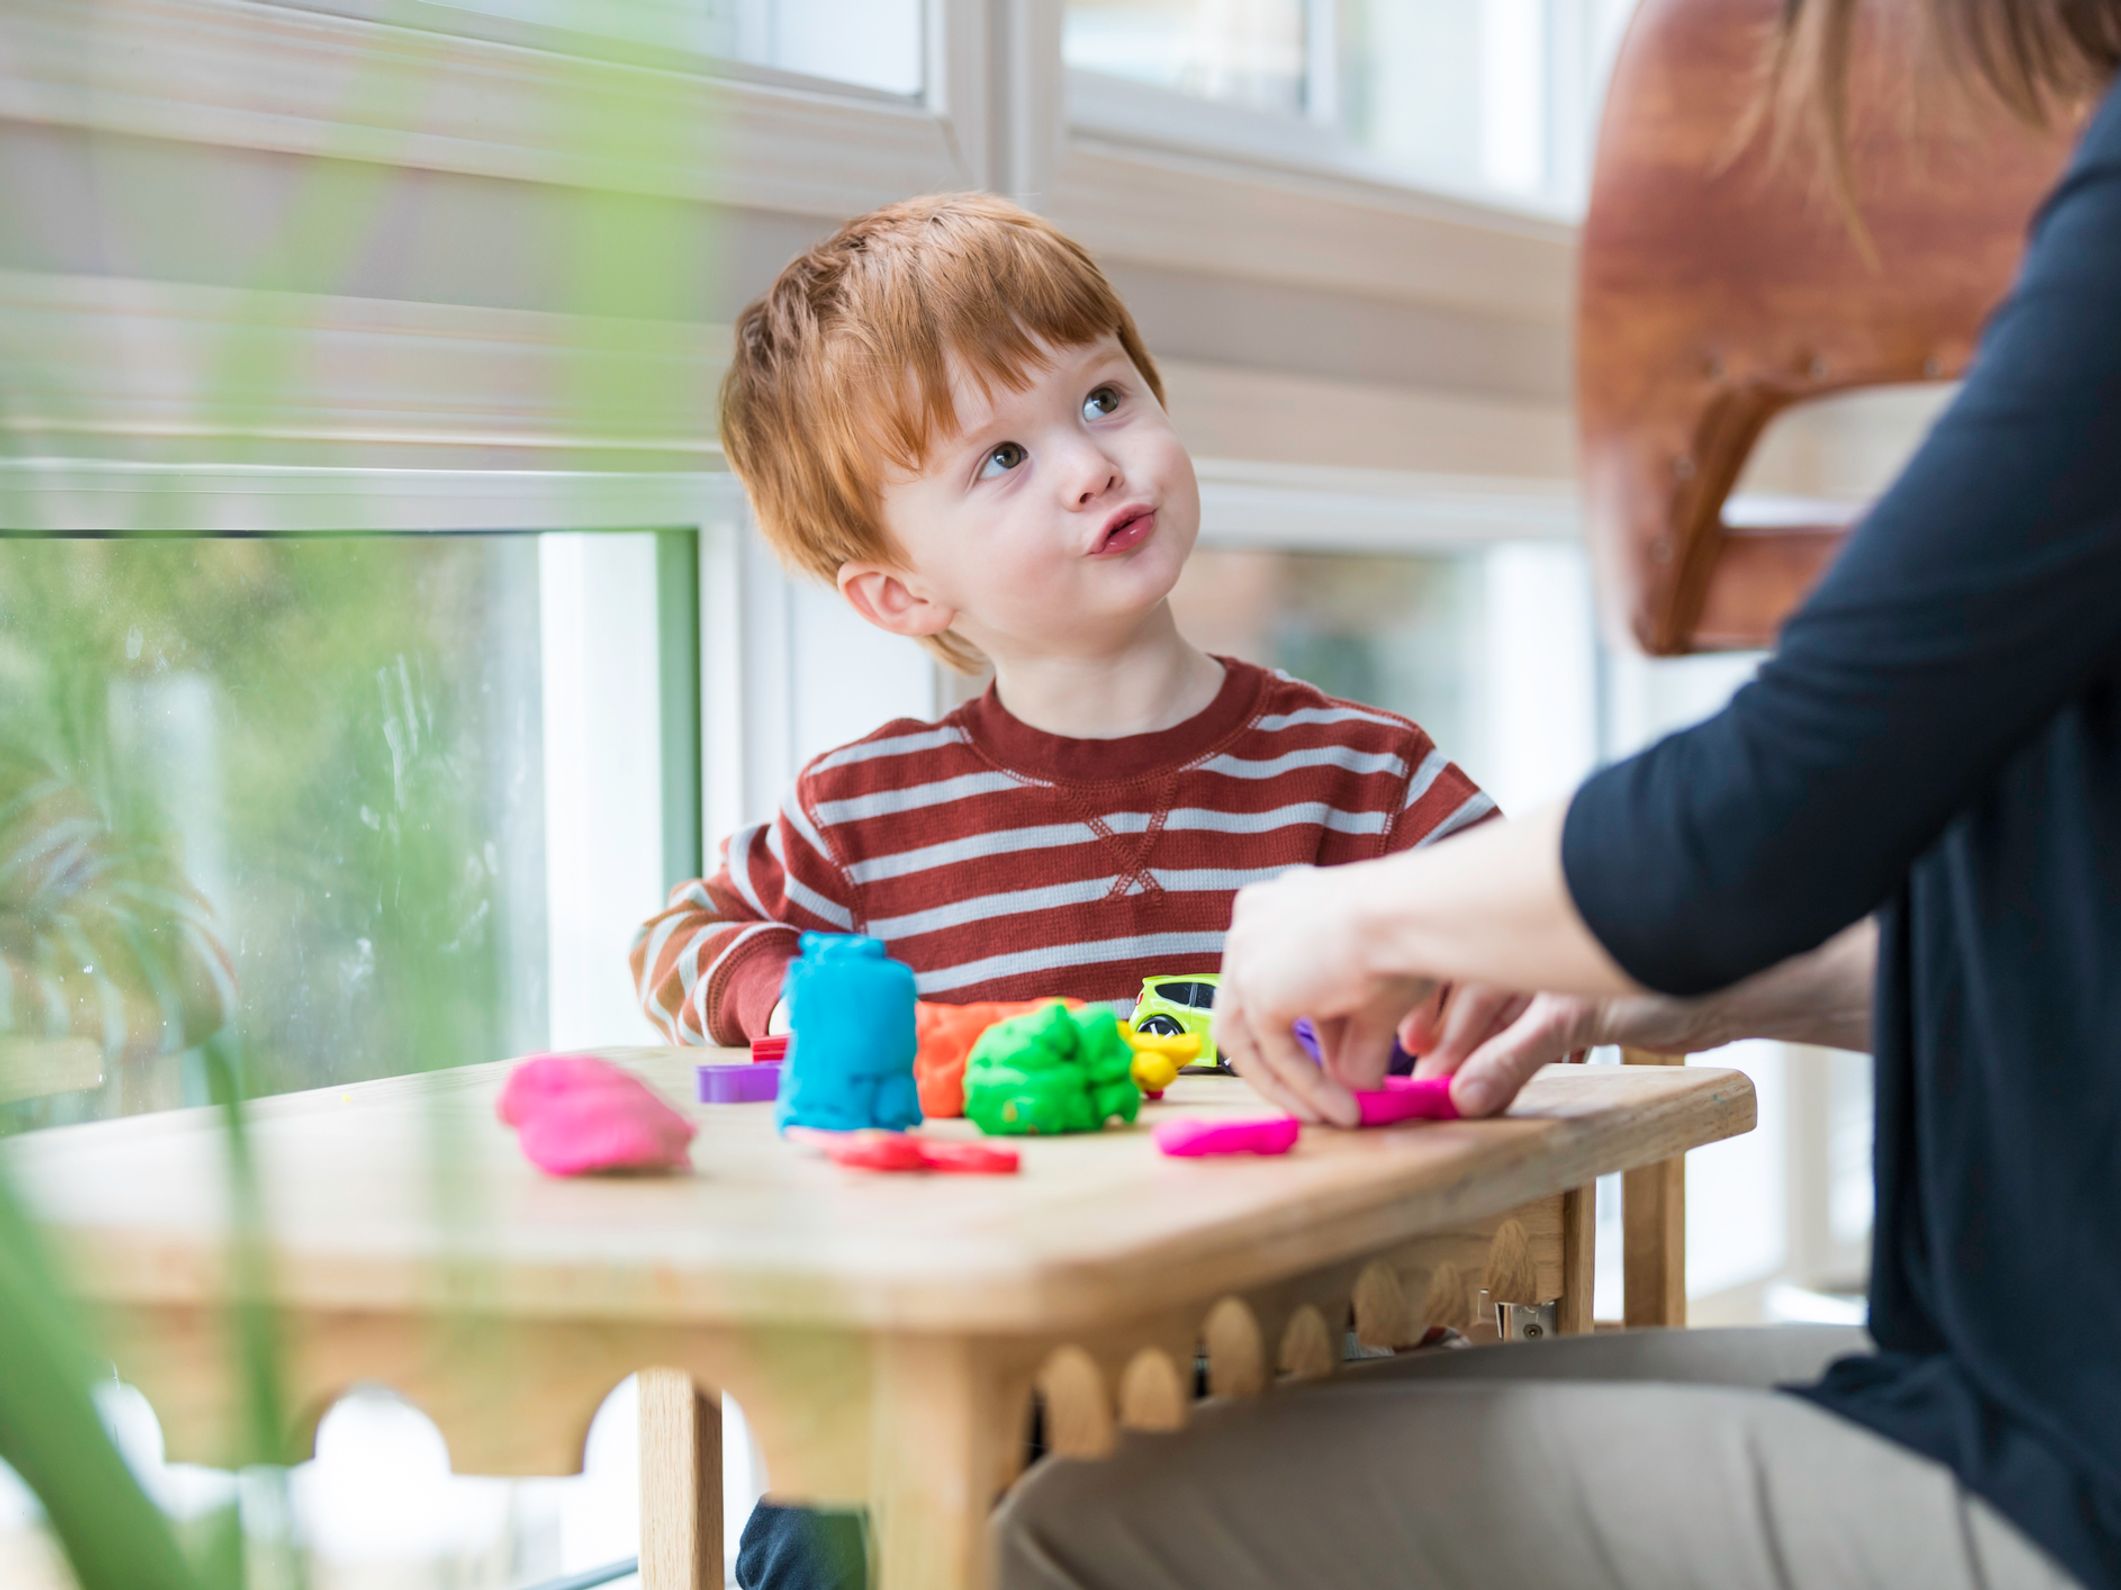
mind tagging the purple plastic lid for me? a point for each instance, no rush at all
(751, 1082)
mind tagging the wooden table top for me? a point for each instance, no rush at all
(1095, 1228)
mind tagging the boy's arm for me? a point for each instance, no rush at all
(708, 967)
(1438, 800)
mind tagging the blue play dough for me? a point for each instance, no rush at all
(852, 1038)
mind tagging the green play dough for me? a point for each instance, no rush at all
(1055, 1070)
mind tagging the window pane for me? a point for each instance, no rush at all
(295, 791)
(1492, 652)
(869, 43)
(1242, 52)
(1454, 92)
(1493, 98)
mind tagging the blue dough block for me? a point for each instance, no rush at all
(850, 1051)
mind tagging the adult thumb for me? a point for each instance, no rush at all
(1491, 1075)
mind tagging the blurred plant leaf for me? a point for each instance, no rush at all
(51, 1434)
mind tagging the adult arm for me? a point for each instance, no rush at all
(1978, 597)
(1822, 997)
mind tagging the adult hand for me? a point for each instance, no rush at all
(1293, 950)
(1492, 1040)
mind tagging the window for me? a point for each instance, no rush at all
(1251, 54)
(1491, 98)
(875, 44)
(1491, 650)
(364, 804)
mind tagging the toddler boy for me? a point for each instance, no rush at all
(945, 410)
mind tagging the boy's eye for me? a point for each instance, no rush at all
(1100, 402)
(1003, 459)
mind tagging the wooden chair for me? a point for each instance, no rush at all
(1719, 287)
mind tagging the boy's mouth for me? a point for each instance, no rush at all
(1125, 531)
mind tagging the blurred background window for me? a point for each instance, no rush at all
(1493, 99)
(1492, 650)
(327, 798)
(873, 44)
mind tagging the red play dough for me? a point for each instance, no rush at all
(575, 1114)
(904, 1151)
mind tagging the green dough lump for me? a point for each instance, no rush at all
(1055, 1070)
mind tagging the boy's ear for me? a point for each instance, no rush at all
(883, 597)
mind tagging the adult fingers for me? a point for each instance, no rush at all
(1470, 1017)
(1418, 1029)
(1325, 1093)
(1477, 1015)
(1356, 1049)
(1239, 1046)
(1490, 1077)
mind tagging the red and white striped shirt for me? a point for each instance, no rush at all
(1001, 862)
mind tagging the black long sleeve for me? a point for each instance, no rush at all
(1938, 739)
(1982, 593)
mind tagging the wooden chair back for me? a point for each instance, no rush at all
(1719, 287)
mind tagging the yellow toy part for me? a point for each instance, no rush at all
(1159, 1057)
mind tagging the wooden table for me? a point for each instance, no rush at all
(884, 1335)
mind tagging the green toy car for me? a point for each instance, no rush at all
(1169, 1006)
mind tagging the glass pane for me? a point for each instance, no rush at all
(868, 43)
(1453, 92)
(1242, 52)
(293, 792)
(1492, 652)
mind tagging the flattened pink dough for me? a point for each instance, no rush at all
(1407, 1099)
(575, 1114)
(1194, 1139)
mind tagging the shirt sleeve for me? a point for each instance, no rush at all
(709, 965)
(1980, 595)
(1439, 800)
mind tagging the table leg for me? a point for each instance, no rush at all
(947, 1419)
(1653, 1249)
(1653, 1222)
(1579, 1256)
(681, 1483)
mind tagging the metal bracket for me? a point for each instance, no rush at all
(1528, 1322)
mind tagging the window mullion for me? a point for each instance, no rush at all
(1324, 25)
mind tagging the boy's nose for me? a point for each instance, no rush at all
(1100, 476)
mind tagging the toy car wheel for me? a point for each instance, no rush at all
(1160, 1027)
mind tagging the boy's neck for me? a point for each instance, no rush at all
(1152, 680)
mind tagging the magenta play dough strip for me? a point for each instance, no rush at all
(1194, 1139)
(1407, 1099)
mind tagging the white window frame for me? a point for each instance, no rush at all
(1164, 179)
(1115, 109)
(259, 74)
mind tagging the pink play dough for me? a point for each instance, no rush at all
(1193, 1139)
(1407, 1099)
(575, 1114)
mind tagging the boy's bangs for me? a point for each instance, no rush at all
(1002, 331)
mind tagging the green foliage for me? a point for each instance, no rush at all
(1054, 1070)
(51, 1434)
(334, 742)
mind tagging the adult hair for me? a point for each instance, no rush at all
(2041, 59)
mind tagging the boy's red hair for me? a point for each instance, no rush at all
(843, 366)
